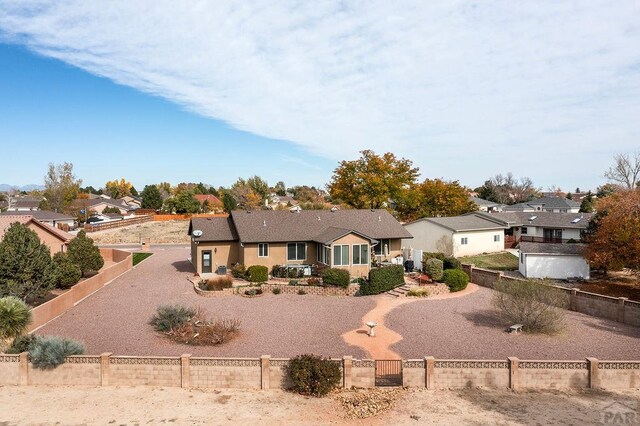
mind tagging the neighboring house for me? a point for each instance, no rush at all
(542, 227)
(97, 205)
(275, 201)
(466, 235)
(56, 239)
(344, 239)
(105, 217)
(24, 203)
(215, 204)
(545, 204)
(486, 205)
(47, 217)
(131, 201)
(555, 261)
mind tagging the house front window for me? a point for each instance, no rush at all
(263, 250)
(496, 238)
(382, 248)
(360, 254)
(524, 230)
(464, 241)
(296, 251)
(341, 255)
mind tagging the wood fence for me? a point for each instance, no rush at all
(165, 217)
(93, 227)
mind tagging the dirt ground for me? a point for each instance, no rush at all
(615, 284)
(147, 405)
(167, 232)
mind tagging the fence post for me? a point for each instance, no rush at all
(621, 301)
(104, 368)
(185, 371)
(514, 376)
(429, 369)
(24, 369)
(265, 363)
(347, 363)
(573, 300)
(594, 374)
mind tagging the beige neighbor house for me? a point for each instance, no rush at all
(56, 239)
(309, 239)
(53, 219)
(457, 236)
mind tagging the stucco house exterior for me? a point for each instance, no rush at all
(555, 261)
(56, 239)
(311, 239)
(457, 236)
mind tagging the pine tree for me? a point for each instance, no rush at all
(151, 198)
(84, 253)
(26, 268)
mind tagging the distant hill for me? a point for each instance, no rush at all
(4, 187)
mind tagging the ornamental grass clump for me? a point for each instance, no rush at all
(15, 316)
(192, 326)
(534, 305)
(313, 375)
(48, 352)
(168, 317)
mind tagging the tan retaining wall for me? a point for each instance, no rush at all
(267, 373)
(618, 309)
(44, 313)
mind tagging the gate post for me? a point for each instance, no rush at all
(347, 363)
(429, 368)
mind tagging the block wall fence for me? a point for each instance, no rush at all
(42, 314)
(618, 309)
(270, 373)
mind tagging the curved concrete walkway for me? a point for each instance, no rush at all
(378, 347)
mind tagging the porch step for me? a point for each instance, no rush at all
(399, 291)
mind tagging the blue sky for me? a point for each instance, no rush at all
(159, 91)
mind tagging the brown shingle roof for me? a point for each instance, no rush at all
(45, 215)
(549, 248)
(7, 220)
(307, 225)
(214, 228)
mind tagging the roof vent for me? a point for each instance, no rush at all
(532, 218)
(576, 220)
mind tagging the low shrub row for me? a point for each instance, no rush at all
(216, 284)
(448, 262)
(383, 279)
(254, 273)
(336, 276)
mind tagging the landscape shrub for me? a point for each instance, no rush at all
(216, 284)
(294, 282)
(530, 303)
(431, 255)
(281, 271)
(383, 279)
(313, 281)
(418, 292)
(276, 290)
(434, 268)
(302, 292)
(253, 292)
(258, 273)
(22, 344)
(359, 281)
(168, 317)
(200, 330)
(239, 271)
(336, 276)
(313, 375)
(84, 253)
(50, 351)
(455, 279)
(451, 263)
(67, 272)
(15, 316)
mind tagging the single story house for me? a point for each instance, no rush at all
(486, 205)
(466, 235)
(24, 204)
(53, 219)
(555, 261)
(56, 239)
(214, 202)
(347, 239)
(97, 205)
(546, 204)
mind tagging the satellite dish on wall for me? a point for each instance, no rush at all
(197, 233)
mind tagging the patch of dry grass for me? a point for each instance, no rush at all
(168, 232)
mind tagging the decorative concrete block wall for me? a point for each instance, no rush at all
(223, 373)
(465, 374)
(363, 373)
(79, 370)
(9, 370)
(139, 371)
(553, 374)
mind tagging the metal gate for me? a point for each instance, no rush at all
(389, 372)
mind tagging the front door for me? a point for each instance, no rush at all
(206, 261)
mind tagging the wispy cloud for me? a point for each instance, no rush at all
(466, 89)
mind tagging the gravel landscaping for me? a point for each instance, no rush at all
(115, 319)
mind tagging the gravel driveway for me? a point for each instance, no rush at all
(115, 319)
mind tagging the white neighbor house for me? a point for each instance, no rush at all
(556, 261)
(457, 236)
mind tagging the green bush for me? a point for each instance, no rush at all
(313, 375)
(50, 351)
(451, 263)
(336, 276)
(22, 344)
(84, 253)
(455, 279)
(168, 317)
(302, 292)
(253, 292)
(239, 271)
(276, 290)
(67, 272)
(431, 255)
(294, 282)
(434, 267)
(383, 279)
(258, 273)
(15, 316)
